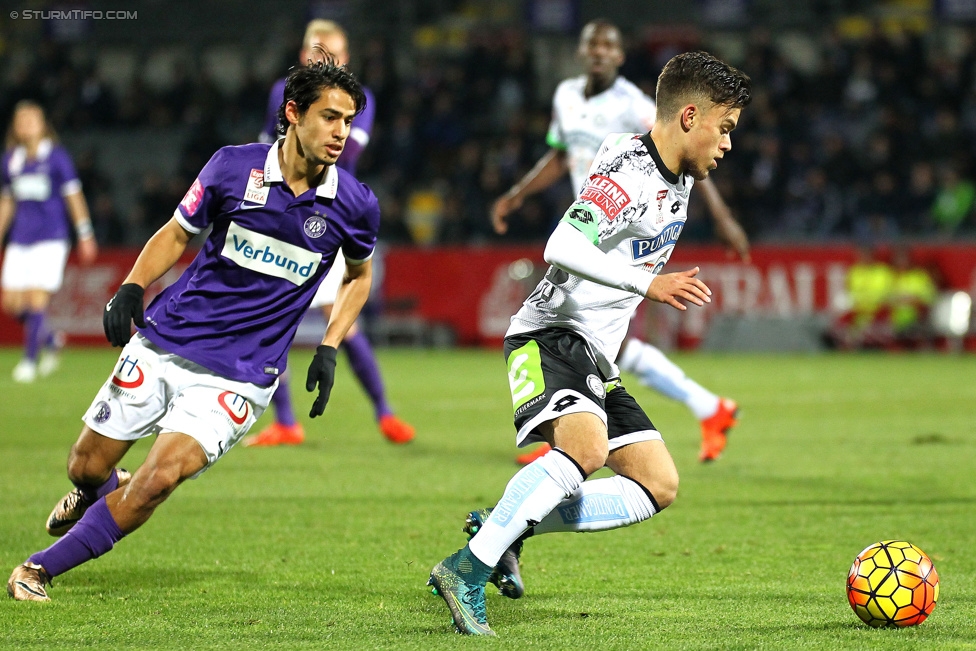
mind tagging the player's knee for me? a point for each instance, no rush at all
(591, 456)
(664, 488)
(152, 485)
(86, 468)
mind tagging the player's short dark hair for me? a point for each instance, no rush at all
(696, 76)
(304, 84)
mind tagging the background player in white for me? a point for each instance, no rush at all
(40, 192)
(561, 345)
(585, 110)
(286, 430)
(211, 346)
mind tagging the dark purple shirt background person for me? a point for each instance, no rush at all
(236, 308)
(362, 126)
(38, 187)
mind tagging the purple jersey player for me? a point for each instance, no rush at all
(210, 347)
(286, 430)
(41, 199)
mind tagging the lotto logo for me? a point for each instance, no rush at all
(235, 405)
(193, 197)
(606, 194)
(128, 374)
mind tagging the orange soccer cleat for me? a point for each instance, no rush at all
(529, 457)
(715, 429)
(277, 434)
(396, 430)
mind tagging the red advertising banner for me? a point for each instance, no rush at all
(475, 290)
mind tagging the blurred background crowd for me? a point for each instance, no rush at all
(863, 126)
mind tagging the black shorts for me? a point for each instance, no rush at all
(552, 373)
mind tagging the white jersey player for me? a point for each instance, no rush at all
(606, 255)
(585, 110)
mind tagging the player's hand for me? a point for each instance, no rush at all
(501, 209)
(730, 231)
(87, 250)
(321, 372)
(668, 288)
(121, 310)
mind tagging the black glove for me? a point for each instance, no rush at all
(322, 372)
(124, 308)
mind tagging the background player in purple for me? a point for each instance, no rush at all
(211, 346)
(286, 430)
(40, 192)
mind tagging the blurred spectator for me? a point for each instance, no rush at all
(953, 201)
(912, 294)
(869, 285)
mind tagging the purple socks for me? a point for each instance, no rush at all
(364, 365)
(33, 325)
(281, 399)
(93, 535)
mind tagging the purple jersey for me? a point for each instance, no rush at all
(236, 308)
(362, 126)
(38, 187)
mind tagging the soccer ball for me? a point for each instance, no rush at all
(892, 583)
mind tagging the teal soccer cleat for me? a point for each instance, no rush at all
(506, 575)
(460, 581)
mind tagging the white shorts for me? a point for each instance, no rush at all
(151, 392)
(34, 266)
(326, 294)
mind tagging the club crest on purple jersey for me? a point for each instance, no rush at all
(315, 226)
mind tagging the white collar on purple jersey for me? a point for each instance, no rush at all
(272, 174)
(19, 156)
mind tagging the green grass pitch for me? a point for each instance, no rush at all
(328, 545)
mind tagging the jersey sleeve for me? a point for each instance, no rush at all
(361, 239)
(199, 206)
(65, 175)
(606, 204)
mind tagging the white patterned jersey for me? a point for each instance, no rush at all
(633, 208)
(579, 125)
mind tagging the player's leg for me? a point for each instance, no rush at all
(92, 469)
(557, 396)
(646, 480)
(717, 415)
(172, 459)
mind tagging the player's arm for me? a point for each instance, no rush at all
(549, 169)
(161, 252)
(350, 299)
(158, 256)
(78, 210)
(727, 229)
(573, 251)
(7, 206)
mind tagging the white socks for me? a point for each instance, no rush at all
(600, 504)
(529, 497)
(658, 372)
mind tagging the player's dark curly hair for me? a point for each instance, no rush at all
(696, 76)
(305, 84)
